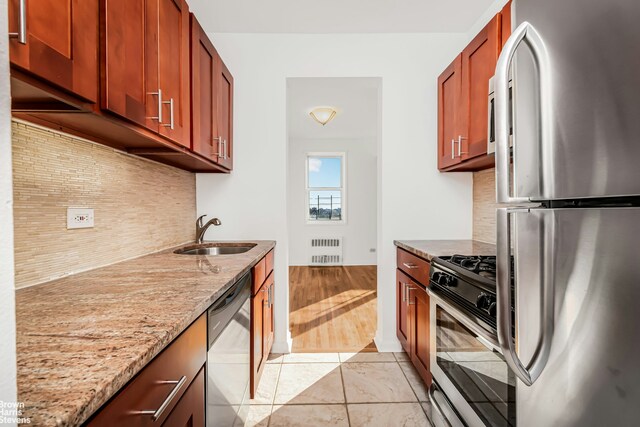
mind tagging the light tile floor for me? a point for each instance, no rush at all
(340, 389)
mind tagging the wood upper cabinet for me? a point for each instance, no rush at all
(129, 87)
(204, 97)
(173, 70)
(211, 100)
(449, 84)
(479, 60)
(60, 43)
(505, 24)
(225, 113)
(145, 64)
(463, 90)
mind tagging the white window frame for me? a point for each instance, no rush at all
(343, 187)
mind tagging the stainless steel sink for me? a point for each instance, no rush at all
(215, 249)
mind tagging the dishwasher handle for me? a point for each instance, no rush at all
(222, 311)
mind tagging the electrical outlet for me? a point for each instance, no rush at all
(79, 218)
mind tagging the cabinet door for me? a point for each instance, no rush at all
(225, 113)
(268, 317)
(204, 96)
(190, 410)
(173, 70)
(402, 310)
(505, 24)
(419, 330)
(478, 66)
(130, 61)
(448, 105)
(258, 306)
(61, 43)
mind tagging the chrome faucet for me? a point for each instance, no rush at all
(201, 229)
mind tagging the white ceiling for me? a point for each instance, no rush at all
(355, 100)
(338, 16)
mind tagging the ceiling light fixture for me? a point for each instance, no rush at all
(323, 115)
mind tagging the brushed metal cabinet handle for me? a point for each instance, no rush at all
(460, 153)
(159, 95)
(171, 121)
(453, 149)
(410, 266)
(409, 289)
(21, 35)
(155, 415)
(404, 295)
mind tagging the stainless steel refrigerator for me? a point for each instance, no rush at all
(570, 232)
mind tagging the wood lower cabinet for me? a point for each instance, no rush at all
(60, 43)
(172, 385)
(419, 333)
(190, 410)
(412, 310)
(402, 310)
(262, 319)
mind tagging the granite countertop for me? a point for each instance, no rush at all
(80, 339)
(428, 249)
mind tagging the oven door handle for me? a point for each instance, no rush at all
(436, 405)
(466, 320)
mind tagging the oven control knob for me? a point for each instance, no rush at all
(482, 302)
(446, 280)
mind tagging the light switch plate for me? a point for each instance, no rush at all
(79, 218)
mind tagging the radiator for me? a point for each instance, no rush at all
(325, 251)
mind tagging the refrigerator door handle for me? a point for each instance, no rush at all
(527, 33)
(527, 374)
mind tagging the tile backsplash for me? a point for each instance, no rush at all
(140, 206)
(484, 206)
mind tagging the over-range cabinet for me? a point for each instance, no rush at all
(567, 270)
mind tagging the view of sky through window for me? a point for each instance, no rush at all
(325, 172)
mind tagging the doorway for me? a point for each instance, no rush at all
(332, 127)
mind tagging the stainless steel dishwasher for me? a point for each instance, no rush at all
(228, 323)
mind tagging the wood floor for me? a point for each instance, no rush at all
(333, 309)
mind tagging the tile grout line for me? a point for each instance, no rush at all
(344, 393)
(275, 391)
(416, 394)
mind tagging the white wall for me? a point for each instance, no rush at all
(7, 292)
(360, 230)
(415, 200)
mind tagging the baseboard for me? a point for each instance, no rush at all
(388, 346)
(283, 347)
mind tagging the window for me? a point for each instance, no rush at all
(325, 187)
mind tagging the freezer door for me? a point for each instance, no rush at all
(576, 80)
(588, 260)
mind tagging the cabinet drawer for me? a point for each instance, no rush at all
(414, 266)
(175, 367)
(259, 273)
(269, 263)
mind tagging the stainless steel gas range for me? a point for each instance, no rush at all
(472, 383)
